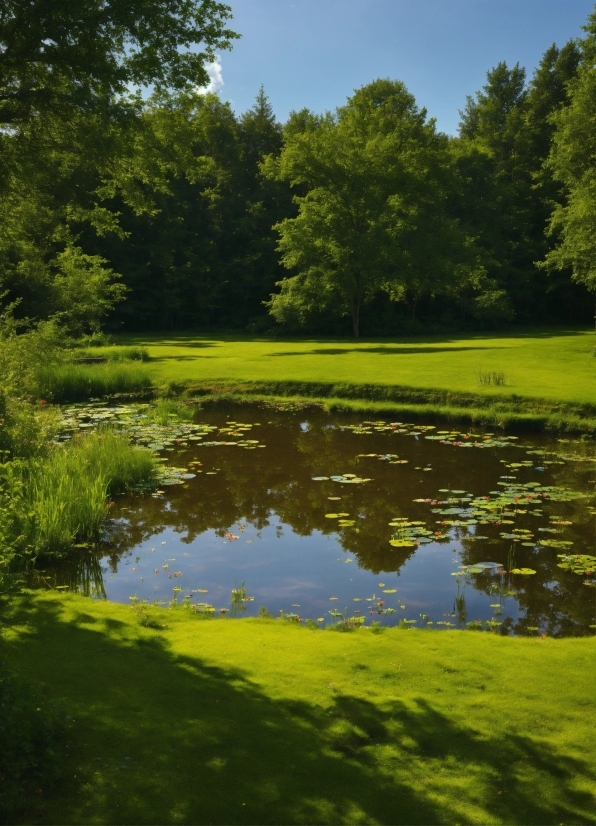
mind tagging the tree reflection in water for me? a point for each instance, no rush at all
(255, 493)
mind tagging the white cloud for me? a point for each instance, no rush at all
(216, 81)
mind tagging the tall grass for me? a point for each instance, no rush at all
(64, 497)
(165, 410)
(79, 382)
(115, 354)
(495, 377)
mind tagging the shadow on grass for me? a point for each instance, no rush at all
(162, 738)
(381, 351)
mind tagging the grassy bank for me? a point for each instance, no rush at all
(524, 415)
(548, 377)
(554, 365)
(260, 721)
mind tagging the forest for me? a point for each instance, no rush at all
(169, 211)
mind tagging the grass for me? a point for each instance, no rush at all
(263, 721)
(63, 498)
(114, 353)
(79, 382)
(554, 365)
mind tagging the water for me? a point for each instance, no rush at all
(257, 516)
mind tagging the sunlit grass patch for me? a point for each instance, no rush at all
(550, 364)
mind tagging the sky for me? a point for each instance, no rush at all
(314, 53)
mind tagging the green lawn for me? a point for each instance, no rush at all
(252, 721)
(555, 365)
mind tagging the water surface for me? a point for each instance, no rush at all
(263, 516)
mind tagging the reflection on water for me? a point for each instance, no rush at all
(313, 547)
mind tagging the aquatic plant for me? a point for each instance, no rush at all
(64, 497)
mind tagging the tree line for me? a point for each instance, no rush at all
(168, 211)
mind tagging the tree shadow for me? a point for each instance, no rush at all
(381, 351)
(165, 738)
(181, 358)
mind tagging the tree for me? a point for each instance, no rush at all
(371, 216)
(508, 195)
(56, 55)
(72, 128)
(204, 254)
(572, 162)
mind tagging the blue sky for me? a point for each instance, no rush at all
(314, 53)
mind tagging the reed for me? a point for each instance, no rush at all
(494, 377)
(66, 494)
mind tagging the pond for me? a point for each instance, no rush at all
(333, 516)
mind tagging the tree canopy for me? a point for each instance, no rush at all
(572, 162)
(129, 199)
(56, 55)
(372, 218)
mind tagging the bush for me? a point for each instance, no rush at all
(26, 430)
(32, 742)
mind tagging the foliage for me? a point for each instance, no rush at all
(205, 252)
(507, 193)
(573, 221)
(33, 732)
(373, 216)
(81, 54)
(26, 349)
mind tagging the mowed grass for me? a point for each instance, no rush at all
(260, 721)
(556, 365)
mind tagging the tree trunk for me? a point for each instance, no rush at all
(356, 318)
